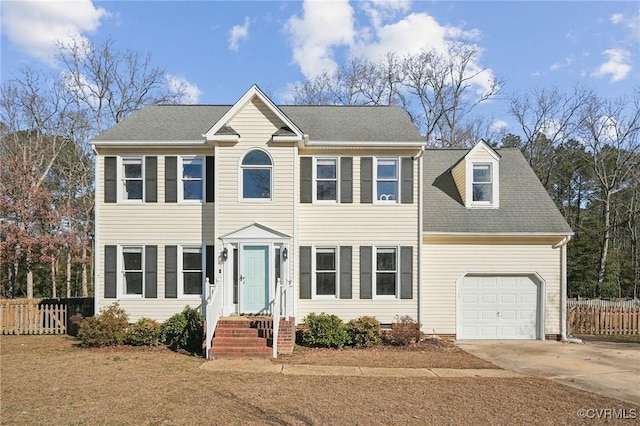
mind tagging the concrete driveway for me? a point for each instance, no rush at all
(607, 369)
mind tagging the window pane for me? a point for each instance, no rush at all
(192, 169)
(387, 169)
(132, 168)
(326, 283)
(326, 169)
(387, 190)
(386, 260)
(192, 190)
(482, 173)
(133, 283)
(192, 282)
(385, 284)
(326, 190)
(256, 158)
(133, 189)
(325, 260)
(481, 192)
(256, 183)
(132, 259)
(191, 259)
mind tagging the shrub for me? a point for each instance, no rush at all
(145, 332)
(184, 331)
(324, 330)
(106, 329)
(364, 332)
(404, 331)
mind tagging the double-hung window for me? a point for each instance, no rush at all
(192, 271)
(132, 178)
(326, 173)
(192, 179)
(256, 175)
(386, 180)
(132, 261)
(386, 271)
(326, 272)
(482, 183)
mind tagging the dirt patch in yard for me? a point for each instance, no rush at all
(49, 380)
(428, 353)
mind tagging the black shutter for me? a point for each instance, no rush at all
(110, 180)
(407, 181)
(306, 179)
(366, 274)
(110, 271)
(151, 272)
(170, 179)
(171, 272)
(346, 180)
(366, 180)
(209, 262)
(345, 272)
(209, 184)
(151, 179)
(406, 272)
(305, 272)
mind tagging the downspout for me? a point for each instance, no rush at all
(420, 231)
(563, 292)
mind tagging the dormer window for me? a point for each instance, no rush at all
(482, 183)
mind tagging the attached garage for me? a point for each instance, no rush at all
(499, 307)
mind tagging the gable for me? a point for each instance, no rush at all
(255, 231)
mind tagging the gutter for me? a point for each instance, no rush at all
(563, 292)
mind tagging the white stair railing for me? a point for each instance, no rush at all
(276, 312)
(213, 311)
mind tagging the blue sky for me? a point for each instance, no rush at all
(219, 49)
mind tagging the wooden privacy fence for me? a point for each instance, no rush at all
(603, 317)
(41, 316)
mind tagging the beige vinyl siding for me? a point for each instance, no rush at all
(481, 154)
(158, 224)
(358, 225)
(445, 264)
(460, 178)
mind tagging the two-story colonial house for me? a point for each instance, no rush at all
(255, 208)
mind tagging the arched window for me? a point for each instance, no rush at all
(256, 175)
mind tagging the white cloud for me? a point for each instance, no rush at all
(499, 126)
(567, 62)
(191, 91)
(237, 33)
(382, 10)
(618, 66)
(616, 18)
(322, 27)
(36, 26)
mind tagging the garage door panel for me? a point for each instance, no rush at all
(497, 307)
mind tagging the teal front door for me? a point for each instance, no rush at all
(255, 279)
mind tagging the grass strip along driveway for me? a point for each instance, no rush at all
(49, 380)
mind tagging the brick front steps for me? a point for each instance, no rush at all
(250, 337)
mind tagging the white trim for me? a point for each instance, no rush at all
(495, 184)
(540, 299)
(242, 102)
(226, 138)
(376, 144)
(336, 254)
(374, 271)
(120, 178)
(120, 280)
(241, 169)
(180, 260)
(315, 179)
(136, 143)
(497, 234)
(396, 200)
(180, 178)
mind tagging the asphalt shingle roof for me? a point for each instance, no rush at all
(321, 123)
(525, 206)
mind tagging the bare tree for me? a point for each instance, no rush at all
(547, 118)
(611, 131)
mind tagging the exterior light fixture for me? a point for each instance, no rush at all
(225, 254)
(285, 254)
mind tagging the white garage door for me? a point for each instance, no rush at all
(497, 307)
